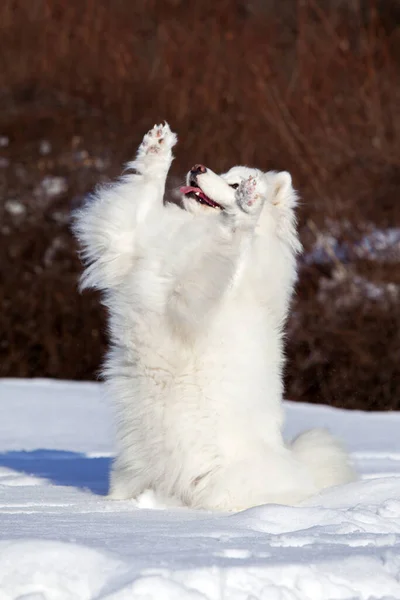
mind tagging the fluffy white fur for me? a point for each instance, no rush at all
(197, 298)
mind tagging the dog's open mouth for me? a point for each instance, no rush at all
(193, 191)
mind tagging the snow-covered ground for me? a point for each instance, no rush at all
(61, 540)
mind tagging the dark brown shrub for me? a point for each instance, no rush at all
(306, 86)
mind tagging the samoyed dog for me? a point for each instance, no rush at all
(197, 299)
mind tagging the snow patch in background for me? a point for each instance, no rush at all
(52, 186)
(380, 245)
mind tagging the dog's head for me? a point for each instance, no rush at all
(205, 191)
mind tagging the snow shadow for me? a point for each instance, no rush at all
(61, 468)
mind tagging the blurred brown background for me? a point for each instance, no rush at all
(311, 87)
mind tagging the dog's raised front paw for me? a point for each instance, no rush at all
(158, 141)
(249, 195)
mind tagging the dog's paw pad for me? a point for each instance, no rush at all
(158, 140)
(248, 194)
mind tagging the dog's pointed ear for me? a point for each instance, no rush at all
(282, 187)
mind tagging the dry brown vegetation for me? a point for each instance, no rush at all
(311, 87)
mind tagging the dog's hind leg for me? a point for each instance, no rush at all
(125, 483)
(107, 225)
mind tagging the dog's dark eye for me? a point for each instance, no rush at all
(234, 185)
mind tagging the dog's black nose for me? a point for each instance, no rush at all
(198, 169)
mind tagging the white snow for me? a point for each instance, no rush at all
(14, 207)
(51, 186)
(60, 539)
(381, 245)
(45, 147)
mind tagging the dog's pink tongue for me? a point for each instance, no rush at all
(186, 189)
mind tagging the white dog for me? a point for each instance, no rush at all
(197, 298)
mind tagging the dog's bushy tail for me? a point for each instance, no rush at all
(324, 456)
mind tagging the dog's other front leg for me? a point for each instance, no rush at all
(107, 225)
(213, 258)
(278, 244)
